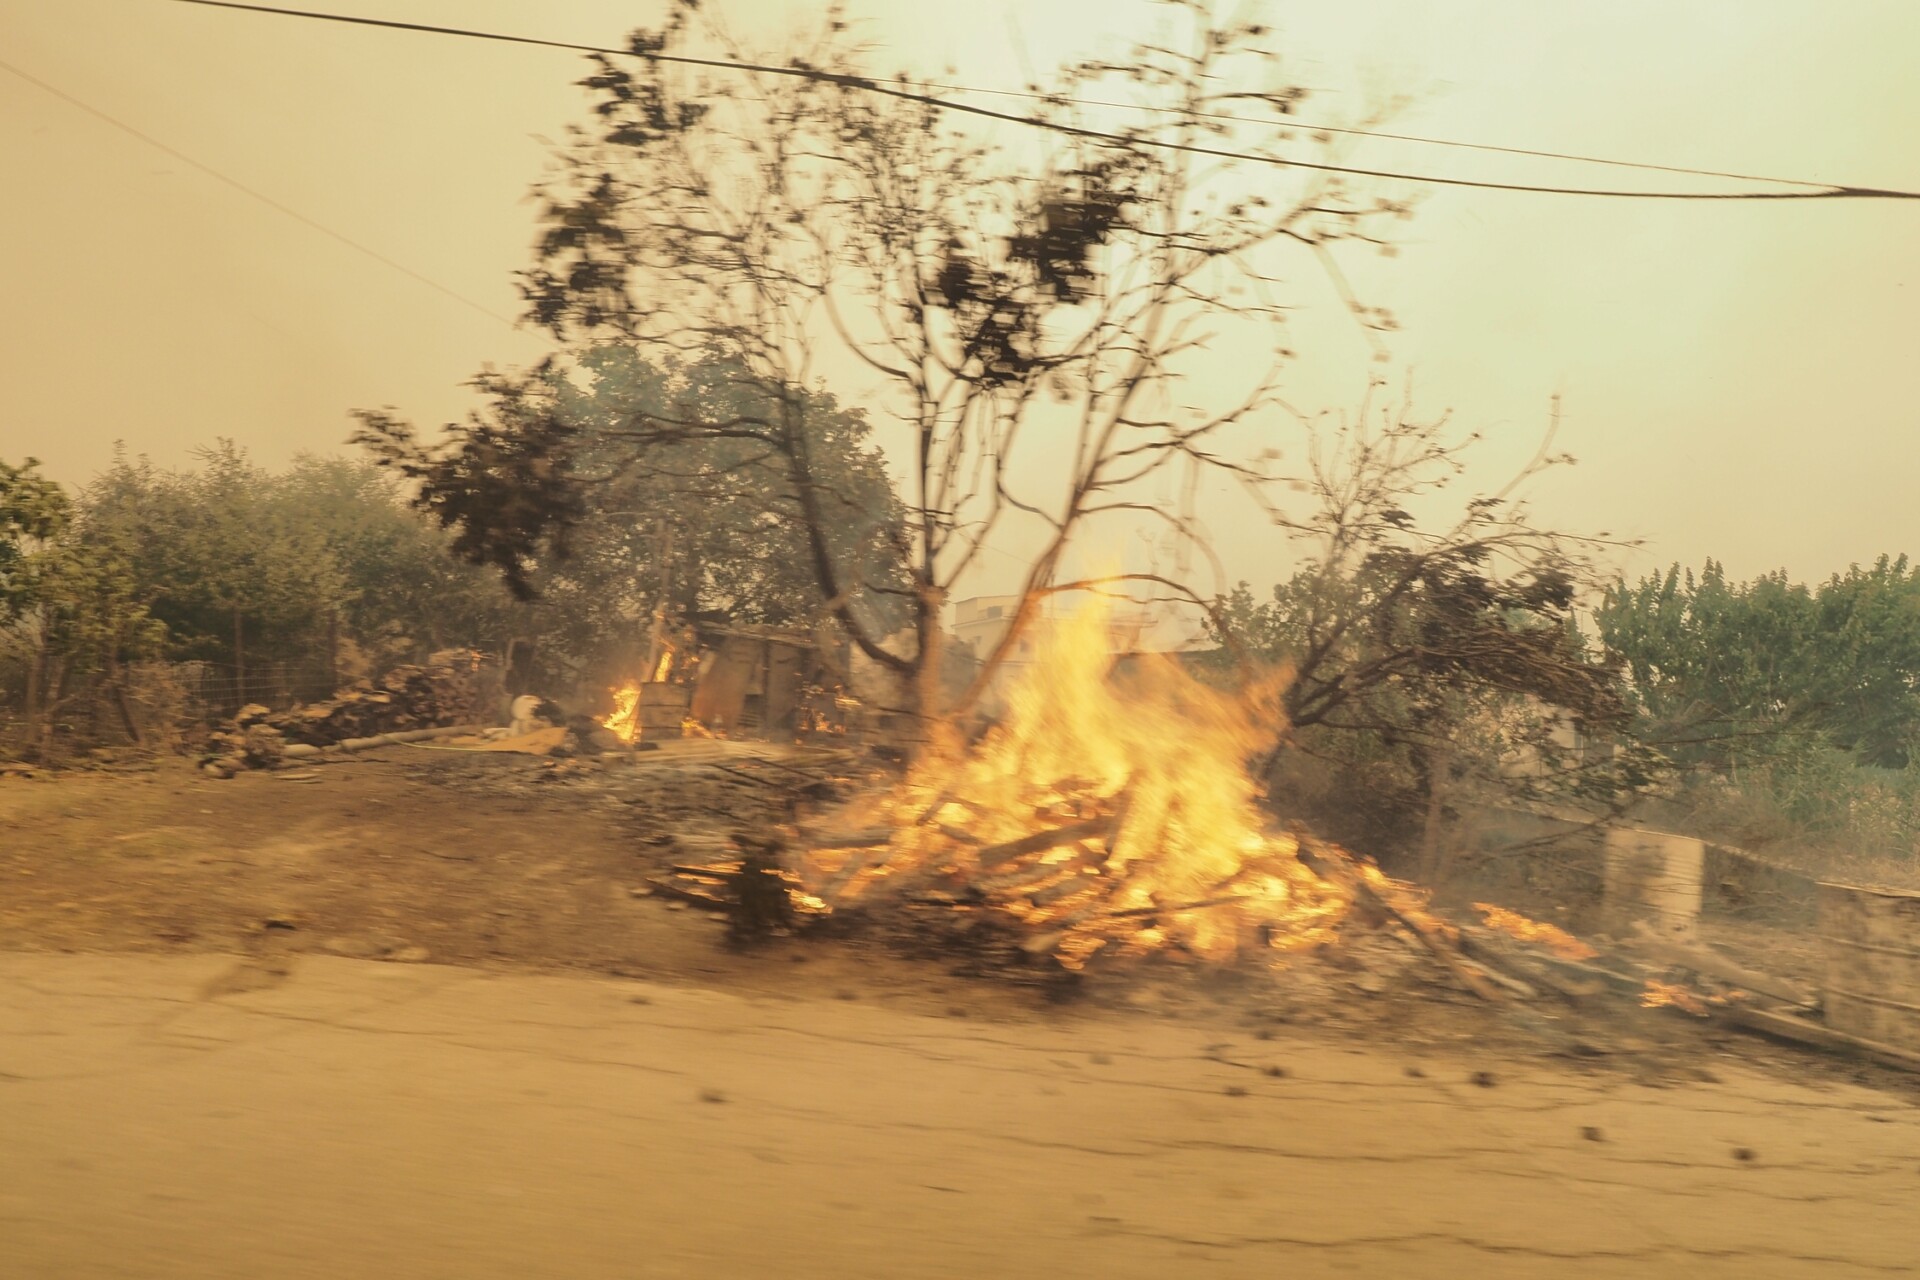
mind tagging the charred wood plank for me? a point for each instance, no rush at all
(1712, 964)
(870, 838)
(996, 855)
(1788, 1027)
(720, 871)
(677, 888)
(1336, 865)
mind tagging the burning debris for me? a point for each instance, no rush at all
(711, 680)
(1516, 926)
(1106, 818)
(623, 722)
(1660, 994)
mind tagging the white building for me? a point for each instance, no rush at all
(981, 623)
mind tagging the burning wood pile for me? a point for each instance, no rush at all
(1097, 819)
(1102, 819)
(446, 690)
(1105, 819)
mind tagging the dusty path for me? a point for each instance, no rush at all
(201, 1117)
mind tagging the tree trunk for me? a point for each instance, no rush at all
(1433, 843)
(519, 675)
(117, 688)
(930, 691)
(239, 662)
(333, 652)
(36, 682)
(55, 678)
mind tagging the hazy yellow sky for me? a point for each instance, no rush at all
(1736, 376)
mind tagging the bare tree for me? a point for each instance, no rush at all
(1035, 305)
(1450, 643)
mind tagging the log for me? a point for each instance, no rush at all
(1529, 967)
(677, 889)
(871, 838)
(1076, 882)
(940, 802)
(382, 740)
(1511, 983)
(995, 855)
(1711, 963)
(1787, 1027)
(1133, 913)
(1331, 862)
(837, 883)
(1583, 971)
(757, 781)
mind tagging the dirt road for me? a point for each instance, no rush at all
(209, 1117)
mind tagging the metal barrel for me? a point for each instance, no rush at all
(1871, 940)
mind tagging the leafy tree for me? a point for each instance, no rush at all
(1726, 672)
(73, 606)
(33, 510)
(403, 593)
(304, 567)
(703, 525)
(1429, 656)
(223, 565)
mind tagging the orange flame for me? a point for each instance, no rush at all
(624, 720)
(1661, 995)
(1145, 785)
(1515, 925)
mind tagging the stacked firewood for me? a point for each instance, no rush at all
(448, 689)
(444, 691)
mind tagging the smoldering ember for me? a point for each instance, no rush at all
(959, 672)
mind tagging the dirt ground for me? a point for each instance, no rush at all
(404, 1014)
(206, 1118)
(504, 861)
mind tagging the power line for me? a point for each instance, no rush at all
(246, 190)
(1354, 131)
(1814, 191)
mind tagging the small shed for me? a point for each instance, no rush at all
(756, 681)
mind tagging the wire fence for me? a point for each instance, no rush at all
(216, 690)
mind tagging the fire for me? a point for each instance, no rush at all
(1661, 995)
(1515, 925)
(624, 720)
(1102, 816)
